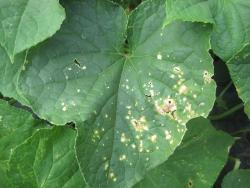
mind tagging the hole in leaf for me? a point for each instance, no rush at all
(190, 183)
(148, 95)
(77, 63)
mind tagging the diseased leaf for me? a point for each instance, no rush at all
(239, 68)
(47, 159)
(131, 88)
(196, 162)
(237, 179)
(132, 133)
(24, 23)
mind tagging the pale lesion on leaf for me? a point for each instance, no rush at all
(190, 183)
(207, 77)
(140, 124)
(167, 106)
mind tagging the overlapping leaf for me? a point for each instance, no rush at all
(189, 10)
(237, 179)
(231, 32)
(24, 23)
(196, 162)
(47, 159)
(34, 155)
(239, 68)
(229, 17)
(16, 126)
(9, 74)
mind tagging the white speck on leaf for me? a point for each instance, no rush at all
(159, 56)
(64, 108)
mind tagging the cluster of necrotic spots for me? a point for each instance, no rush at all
(166, 106)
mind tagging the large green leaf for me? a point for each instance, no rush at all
(47, 159)
(239, 68)
(196, 162)
(130, 134)
(237, 179)
(69, 81)
(131, 99)
(24, 23)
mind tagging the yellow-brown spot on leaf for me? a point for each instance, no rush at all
(183, 89)
(139, 124)
(207, 77)
(153, 138)
(167, 106)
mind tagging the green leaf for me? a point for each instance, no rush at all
(4, 179)
(196, 162)
(24, 23)
(239, 68)
(189, 10)
(9, 74)
(130, 98)
(230, 19)
(69, 81)
(47, 159)
(237, 179)
(231, 31)
(16, 126)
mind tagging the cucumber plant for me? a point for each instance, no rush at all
(98, 93)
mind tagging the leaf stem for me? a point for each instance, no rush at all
(237, 164)
(225, 89)
(227, 113)
(242, 131)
